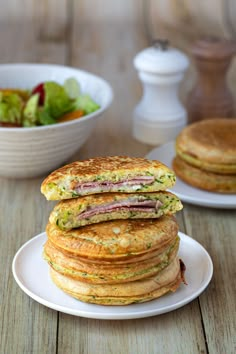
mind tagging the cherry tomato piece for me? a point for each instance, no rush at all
(40, 90)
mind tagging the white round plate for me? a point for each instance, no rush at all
(31, 273)
(165, 153)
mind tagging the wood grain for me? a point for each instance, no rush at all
(81, 34)
(149, 335)
(194, 18)
(25, 325)
(215, 230)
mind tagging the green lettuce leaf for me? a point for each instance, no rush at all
(86, 104)
(57, 102)
(10, 108)
(30, 112)
(44, 118)
(72, 88)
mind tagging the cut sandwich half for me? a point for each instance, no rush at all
(107, 174)
(74, 213)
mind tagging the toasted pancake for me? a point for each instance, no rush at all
(203, 165)
(115, 240)
(77, 212)
(112, 273)
(143, 290)
(107, 174)
(210, 145)
(210, 181)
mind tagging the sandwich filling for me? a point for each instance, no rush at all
(90, 209)
(106, 186)
(131, 204)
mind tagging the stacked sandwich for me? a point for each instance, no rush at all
(206, 155)
(112, 238)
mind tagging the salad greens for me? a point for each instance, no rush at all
(72, 88)
(85, 104)
(30, 111)
(10, 107)
(47, 103)
(57, 102)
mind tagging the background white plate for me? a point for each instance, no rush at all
(187, 193)
(31, 273)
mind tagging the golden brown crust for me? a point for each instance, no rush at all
(62, 182)
(207, 166)
(115, 240)
(122, 294)
(202, 179)
(100, 165)
(211, 141)
(112, 273)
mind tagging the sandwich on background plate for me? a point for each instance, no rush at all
(206, 155)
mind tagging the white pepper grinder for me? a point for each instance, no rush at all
(160, 115)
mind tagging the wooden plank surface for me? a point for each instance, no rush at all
(216, 231)
(25, 326)
(72, 36)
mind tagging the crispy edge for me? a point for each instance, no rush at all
(204, 180)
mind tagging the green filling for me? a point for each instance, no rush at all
(69, 220)
(74, 194)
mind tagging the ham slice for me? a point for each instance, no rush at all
(130, 204)
(107, 186)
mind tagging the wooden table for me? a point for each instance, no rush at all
(207, 324)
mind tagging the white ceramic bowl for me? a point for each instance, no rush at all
(31, 152)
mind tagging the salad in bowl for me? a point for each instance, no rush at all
(47, 112)
(47, 103)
